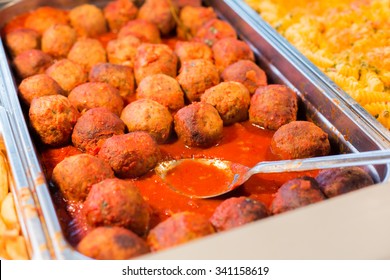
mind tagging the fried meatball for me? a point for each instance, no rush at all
(213, 31)
(158, 12)
(183, 3)
(21, 40)
(300, 139)
(31, 62)
(154, 59)
(273, 106)
(178, 229)
(198, 125)
(195, 76)
(120, 77)
(192, 18)
(144, 30)
(52, 118)
(231, 99)
(43, 17)
(94, 127)
(87, 52)
(67, 74)
(37, 86)
(116, 202)
(338, 181)
(296, 193)
(88, 20)
(192, 50)
(247, 73)
(118, 13)
(93, 94)
(163, 89)
(123, 50)
(112, 243)
(130, 155)
(58, 39)
(75, 175)
(237, 211)
(150, 116)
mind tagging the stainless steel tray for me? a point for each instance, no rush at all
(348, 131)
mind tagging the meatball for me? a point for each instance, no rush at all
(300, 139)
(158, 12)
(178, 229)
(112, 243)
(144, 30)
(21, 40)
(154, 59)
(213, 31)
(338, 181)
(273, 106)
(150, 116)
(52, 118)
(131, 155)
(231, 99)
(116, 202)
(32, 62)
(120, 77)
(87, 52)
(75, 175)
(88, 20)
(192, 18)
(123, 50)
(43, 17)
(237, 211)
(94, 127)
(193, 50)
(183, 3)
(67, 74)
(296, 193)
(37, 86)
(58, 39)
(199, 125)
(118, 13)
(247, 73)
(163, 89)
(93, 94)
(230, 50)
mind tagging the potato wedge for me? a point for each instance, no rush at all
(4, 184)
(16, 248)
(8, 212)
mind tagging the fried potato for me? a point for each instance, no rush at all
(8, 212)
(16, 248)
(4, 184)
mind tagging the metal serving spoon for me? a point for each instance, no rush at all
(238, 174)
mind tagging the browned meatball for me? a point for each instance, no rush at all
(247, 73)
(150, 116)
(130, 155)
(154, 59)
(37, 86)
(193, 50)
(296, 193)
(94, 127)
(52, 117)
(273, 106)
(183, 3)
(58, 39)
(213, 31)
(230, 50)
(158, 12)
(119, 12)
(163, 89)
(195, 76)
(21, 40)
(116, 202)
(231, 99)
(75, 175)
(93, 94)
(237, 211)
(87, 52)
(112, 243)
(43, 17)
(123, 50)
(198, 125)
(67, 74)
(146, 31)
(32, 62)
(178, 229)
(88, 20)
(338, 181)
(192, 18)
(120, 77)
(300, 139)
